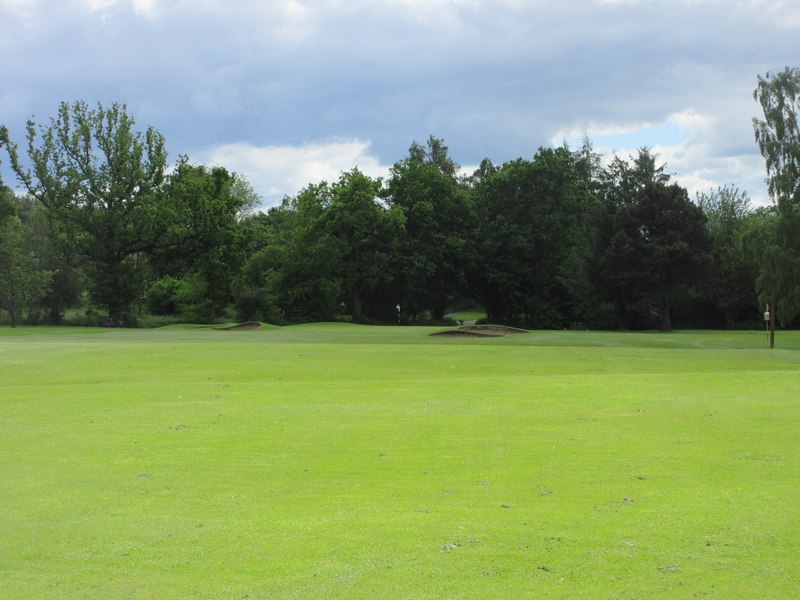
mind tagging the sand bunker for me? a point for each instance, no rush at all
(479, 331)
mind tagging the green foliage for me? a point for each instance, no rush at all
(55, 252)
(256, 288)
(554, 241)
(203, 243)
(434, 153)
(98, 180)
(434, 252)
(194, 303)
(778, 138)
(731, 280)
(22, 282)
(7, 207)
(362, 235)
(778, 134)
(658, 249)
(161, 297)
(651, 249)
(290, 274)
(532, 223)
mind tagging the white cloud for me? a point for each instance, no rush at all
(497, 79)
(277, 171)
(694, 146)
(144, 8)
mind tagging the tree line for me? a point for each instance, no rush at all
(557, 240)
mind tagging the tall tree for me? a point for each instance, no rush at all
(435, 153)
(98, 178)
(778, 138)
(292, 275)
(532, 219)
(731, 281)
(6, 202)
(203, 243)
(433, 262)
(623, 180)
(22, 281)
(658, 249)
(363, 234)
(258, 287)
(619, 186)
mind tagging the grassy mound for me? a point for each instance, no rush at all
(247, 326)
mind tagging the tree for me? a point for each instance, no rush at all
(291, 274)
(22, 282)
(433, 260)
(659, 248)
(6, 202)
(56, 251)
(778, 138)
(98, 180)
(363, 235)
(730, 283)
(532, 226)
(434, 153)
(203, 243)
(257, 288)
(623, 180)
(761, 250)
(619, 186)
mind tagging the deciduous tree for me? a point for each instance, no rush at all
(98, 177)
(363, 235)
(778, 138)
(532, 219)
(438, 212)
(203, 242)
(731, 280)
(22, 281)
(658, 249)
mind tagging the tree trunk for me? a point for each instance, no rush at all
(666, 321)
(356, 308)
(772, 320)
(12, 304)
(622, 324)
(729, 315)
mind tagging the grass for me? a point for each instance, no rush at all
(467, 315)
(344, 461)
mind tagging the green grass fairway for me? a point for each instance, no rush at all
(344, 461)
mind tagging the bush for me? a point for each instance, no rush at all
(162, 296)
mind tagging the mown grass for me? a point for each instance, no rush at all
(344, 461)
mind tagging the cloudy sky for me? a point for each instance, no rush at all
(290, 92)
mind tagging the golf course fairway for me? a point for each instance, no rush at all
(347, 461)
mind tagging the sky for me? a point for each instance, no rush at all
(293, 92)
